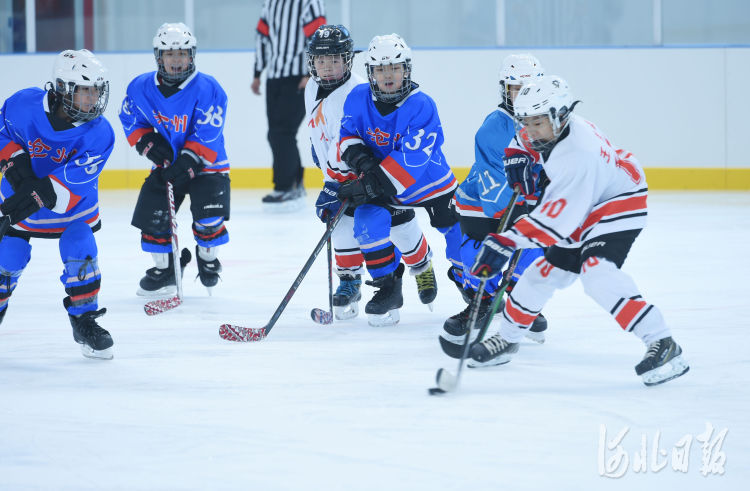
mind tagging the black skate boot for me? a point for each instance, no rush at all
(2, 314)
(492, 351)
(537, 328)
(454, 274)
(454, 328)
(95, 342)
(347, 297)
(208, 270)
(160, 282)
(427, 286)
(663, 362)
(382, 310)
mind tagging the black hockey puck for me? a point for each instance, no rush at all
(435, 391)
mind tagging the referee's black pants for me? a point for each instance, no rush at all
(285, 109)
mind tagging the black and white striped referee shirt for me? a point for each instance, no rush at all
(283, 30)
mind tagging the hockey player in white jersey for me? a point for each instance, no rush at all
(588, 218)
(330, 54)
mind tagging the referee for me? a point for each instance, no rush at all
(283, 30)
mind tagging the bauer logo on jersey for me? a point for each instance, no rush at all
(83, 169)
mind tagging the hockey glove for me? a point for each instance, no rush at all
(366, 189)
(328, 203)
(156, 148)
(183, 170)
(32, 196)
(492, 256)
(17, 169)
(360, 159)
(518, 171)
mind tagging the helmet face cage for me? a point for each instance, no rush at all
(171, 37)
(329, 40)
(390, 50)
(549, 97)
(72, 71)
(517, 70)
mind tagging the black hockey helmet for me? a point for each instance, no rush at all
(331, 40)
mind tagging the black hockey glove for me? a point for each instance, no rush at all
(32, 195)
(17, 169)
(363, 190)
(492, 256)
(518, 171)
(156, 148)
(183, 170)
(360, 159)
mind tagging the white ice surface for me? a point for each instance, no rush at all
(346, 406)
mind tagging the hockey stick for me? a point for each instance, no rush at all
(162, 305)
(319, 315)
(446, 381)
(245, 334)
(4, 225)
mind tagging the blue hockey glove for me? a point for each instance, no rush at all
(492, 256)
(328, 203)
(32, 196)
(518, 171)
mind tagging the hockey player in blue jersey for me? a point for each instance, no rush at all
(391, 137)
(482, 198)
(53, 146)
(175, 117)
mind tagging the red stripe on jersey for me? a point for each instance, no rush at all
(53, 230)
(531, 231)
(397, 172)
(341, 177)
(464, 207)
(417, 256)
(437, 191)
(349, 261)
(634, 203)
(201, 150)
(517, 316)
(628, 312)
(309, 29)
(74, 198)
(373, 262)
(137, 134)
(9, 149)
(262, 27)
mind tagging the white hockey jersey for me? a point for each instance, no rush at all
(324, 121)
(595, 189)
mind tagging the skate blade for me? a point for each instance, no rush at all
(431, 306)
(104, 354)
(390, 318)
(346, 312)
(537, 337)
(166, 291)
(500, 360)
(674, 368)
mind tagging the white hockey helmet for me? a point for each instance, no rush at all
(517, 70)
(389, 49)
(174, 36)
(73, 69)
(550, 96)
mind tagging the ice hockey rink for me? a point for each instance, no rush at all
(345, 406)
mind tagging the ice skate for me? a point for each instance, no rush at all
(159, 280)
(454, 328)
(347, 297)
(492, 351)
(2, 314)
(209, 266)
(382, 310)
(94, 340)
(284, 201)
(536, 330)
(426, 285)
(663, 362)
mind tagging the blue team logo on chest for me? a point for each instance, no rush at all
(176, 124)
(83, 168)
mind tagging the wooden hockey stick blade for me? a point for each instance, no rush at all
(240, 334)
(162, 305)
(321, 316)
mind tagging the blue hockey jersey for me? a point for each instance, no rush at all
(193, 118)
(72, 158)
(485, 191)
(408, 141)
